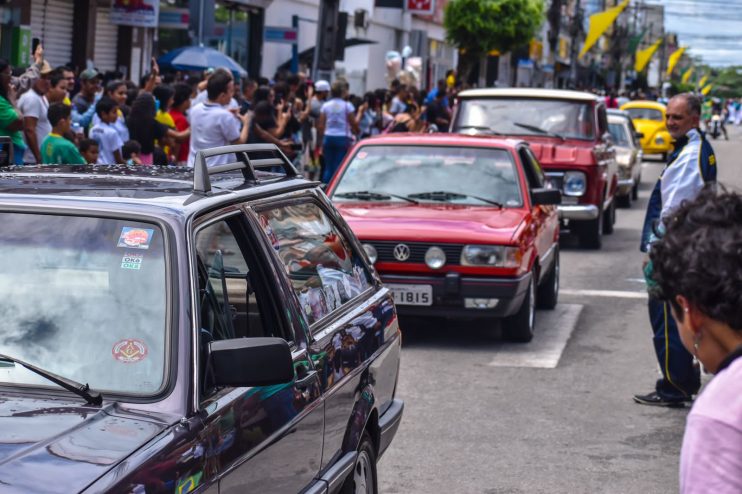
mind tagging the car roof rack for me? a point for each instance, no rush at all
(250, 157)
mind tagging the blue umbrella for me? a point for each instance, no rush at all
(200, 58)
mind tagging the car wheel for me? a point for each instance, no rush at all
(664, 157)
(624, 201)
(635, 189)
(519, 327)
(590, 232)
(610, 218)
(363, 478)
(548, 290)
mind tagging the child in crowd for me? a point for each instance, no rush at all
(131, 151)
(89, 150)
(55, 149)
(106, 134)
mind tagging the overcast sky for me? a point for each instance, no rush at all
(710, 28)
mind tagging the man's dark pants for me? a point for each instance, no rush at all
(680, 378)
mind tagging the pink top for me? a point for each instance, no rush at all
(711, 458)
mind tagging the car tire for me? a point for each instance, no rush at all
(664, 157)
(519, 327)
(635, 189)
(362, 480)
(590, 233)
(548, 290)
(610, 218)
(624, 201)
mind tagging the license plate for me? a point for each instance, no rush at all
(412, 294)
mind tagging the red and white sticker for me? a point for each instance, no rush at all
(129, 351)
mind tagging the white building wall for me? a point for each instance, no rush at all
(279, 14)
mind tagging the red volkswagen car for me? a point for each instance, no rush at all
(456, 226)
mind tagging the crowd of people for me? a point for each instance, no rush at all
(55, 116)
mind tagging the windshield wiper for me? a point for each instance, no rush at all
(367, 195)
(443, 195)
(539, 130)
(482, 128)
(82, 390)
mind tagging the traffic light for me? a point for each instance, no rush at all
(327, 34)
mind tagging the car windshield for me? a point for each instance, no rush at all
(84, 298)
(475, 176)
(619, 134)
(524, 116)
(645, 114)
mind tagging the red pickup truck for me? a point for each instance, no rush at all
(568, 133)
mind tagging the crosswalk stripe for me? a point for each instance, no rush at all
(603, 293)
(553, 329)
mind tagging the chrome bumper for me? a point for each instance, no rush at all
(626, 182)
(578, 211)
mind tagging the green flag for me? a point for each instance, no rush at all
(635, 41)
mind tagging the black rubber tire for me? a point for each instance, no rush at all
(366, 447)
(590, 233)
(610, 218)
(624, 201)
(664, 157)
(548, 290)
(635, 189)
(519, 327)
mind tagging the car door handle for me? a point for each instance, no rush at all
(306, 379)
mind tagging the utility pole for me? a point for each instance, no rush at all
(575, 28)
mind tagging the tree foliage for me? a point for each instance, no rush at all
(728, 82)
(477, 27)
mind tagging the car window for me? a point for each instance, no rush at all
(471, 174)
(85, 298)
(528, 116)
(534, 173)
(619, 134)
(645, 114)
(324, 270)
(233, 299)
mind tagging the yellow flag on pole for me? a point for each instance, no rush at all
(599, 23)
(686, 75)
(705, 91)
(703, 81)
(674, 59)
(644, 56)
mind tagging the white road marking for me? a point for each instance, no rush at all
(637, 280)
(553, 329)
(603, 293)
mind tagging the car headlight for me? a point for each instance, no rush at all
(575, 184)
(371, 253)
(435, 258)
(623, 158)
(490, 255)
(659, 140)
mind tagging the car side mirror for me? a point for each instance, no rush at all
(639, 135)
(546, 197)
(245, 362)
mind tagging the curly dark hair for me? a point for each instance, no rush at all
(700, 257)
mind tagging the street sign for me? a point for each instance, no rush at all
(421, 7)
(278, 34)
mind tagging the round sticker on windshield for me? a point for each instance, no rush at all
(129, 351)
(136, 238)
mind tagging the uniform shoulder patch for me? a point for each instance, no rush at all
(712, 160)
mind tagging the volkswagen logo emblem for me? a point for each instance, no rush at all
(401, 252)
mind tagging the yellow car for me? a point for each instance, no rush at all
(649, 120)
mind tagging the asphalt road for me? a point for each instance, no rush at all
(555, 415)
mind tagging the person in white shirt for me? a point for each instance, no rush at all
(105, 133)
(34, 107)
(335, 129)
(213, 125)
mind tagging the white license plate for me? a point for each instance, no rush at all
(412, 294)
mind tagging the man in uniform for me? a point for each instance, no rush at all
(690, 167)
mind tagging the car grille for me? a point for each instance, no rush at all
(556, 179)
(385, 251)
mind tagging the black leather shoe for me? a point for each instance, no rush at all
(656, 400)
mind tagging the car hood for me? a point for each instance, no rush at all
(425, 222)
(63, 446)
(550, 151)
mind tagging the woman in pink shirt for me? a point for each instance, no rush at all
(698, 269)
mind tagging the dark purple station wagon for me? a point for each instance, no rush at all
(216, 330)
